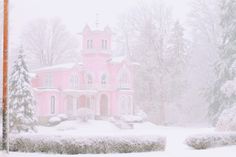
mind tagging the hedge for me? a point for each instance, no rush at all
(84, 145)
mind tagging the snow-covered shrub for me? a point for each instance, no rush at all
(63, 117)
(131, 119)
(204, 141)
(84, 114)
(83, 145)
(54, 120)
(227, 120)
(141, 114)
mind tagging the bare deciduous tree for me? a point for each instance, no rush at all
(145, 31)
(48, 42)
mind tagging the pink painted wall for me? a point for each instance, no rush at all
(95, 61)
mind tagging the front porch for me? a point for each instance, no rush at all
(99, 103)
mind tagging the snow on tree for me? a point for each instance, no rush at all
(225, 69)
(22, 115)
(227, 120)
(229, 88)
(204, 20)
(176, 57)
(177, 60)
(146, 33)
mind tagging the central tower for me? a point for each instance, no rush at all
(96, 42)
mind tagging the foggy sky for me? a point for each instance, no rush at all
(76, 13)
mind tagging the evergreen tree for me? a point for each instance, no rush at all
(225, 69)
(177, 59)
(21, 100)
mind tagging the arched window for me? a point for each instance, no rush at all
(74, 81)
(124, 79)
(89, 79)
(104, 79)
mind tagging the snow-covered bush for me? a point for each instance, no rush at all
(227, 120)
(54, 120)
(131, 119)
(204, 141)
(63, 117)
(82, 145)
(84, 114)
(141, 114)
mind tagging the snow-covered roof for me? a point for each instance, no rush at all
(32, 75)
(79, 91)
(120, 59)
(59, 66)
(46, 89)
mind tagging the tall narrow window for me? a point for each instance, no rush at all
(89, 79)
(89, 44)
(124, 80)
(74, 81)
(48, 81)
(102, 44)
(105, 44)
(53, 103)
(104, 79)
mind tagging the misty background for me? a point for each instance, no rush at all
(176, 43)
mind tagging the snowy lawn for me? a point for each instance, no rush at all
(175, 139)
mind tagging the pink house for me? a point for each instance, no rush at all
(99, 82)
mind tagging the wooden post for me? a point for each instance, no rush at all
(5, 124)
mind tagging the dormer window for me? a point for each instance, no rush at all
(89, 44)
(104, 44)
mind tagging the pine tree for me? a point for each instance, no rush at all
(176, 57)
(224, 67)
(21, 101)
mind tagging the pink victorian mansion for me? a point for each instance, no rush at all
(99, 82)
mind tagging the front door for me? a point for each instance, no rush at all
(104, 105)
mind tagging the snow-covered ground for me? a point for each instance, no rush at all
(175, 139)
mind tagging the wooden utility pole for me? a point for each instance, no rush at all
(5, 144)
